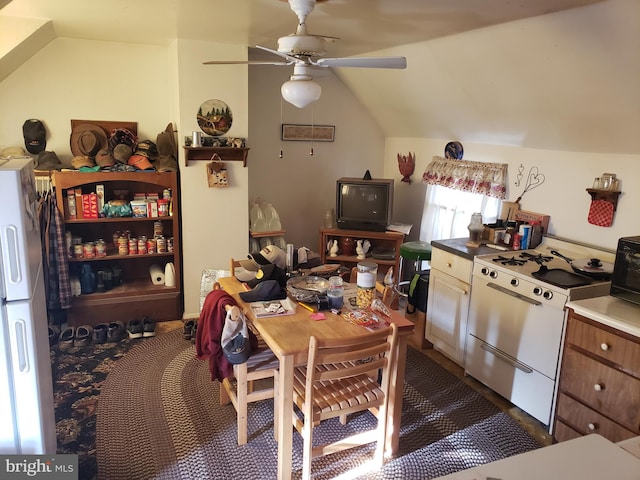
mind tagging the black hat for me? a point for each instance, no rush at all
(48, 161)
(268, 272)
(264, 291)
(34, 136)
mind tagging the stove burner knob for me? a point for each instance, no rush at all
(515, 282)
(537, 291)
(493, 274)
(548, 294)
(484, 271)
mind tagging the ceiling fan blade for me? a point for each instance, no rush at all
(362, 62)
(244, 62)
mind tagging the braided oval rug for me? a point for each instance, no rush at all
(158, 417)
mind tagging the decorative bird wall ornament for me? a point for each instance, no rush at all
(406, 165)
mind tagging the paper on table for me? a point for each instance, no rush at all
(400, 227)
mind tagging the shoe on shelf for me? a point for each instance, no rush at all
(83, 336)
(148, 327)
(100, 333)
(189, 329)
(54, 334)
(115, 331)
(67, 336)
(134, 329)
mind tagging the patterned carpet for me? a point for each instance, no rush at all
(158, 417)
(78, 376)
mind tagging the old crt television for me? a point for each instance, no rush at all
(364, 204)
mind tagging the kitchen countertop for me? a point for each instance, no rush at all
(588, 457)
(458, 246)
(611, 311)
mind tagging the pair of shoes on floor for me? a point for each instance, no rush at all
(75, 337)
(141, 328)
(189, 330)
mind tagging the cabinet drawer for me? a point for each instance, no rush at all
(604, 343)
(603, 388)
(586, 421)
(562, 432)
(451, 264)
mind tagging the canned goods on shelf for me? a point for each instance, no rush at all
(101, 248)
(151, 245)
(170, 244)
(78, 250)
(161, 245)
(123, 245)
(89, 250)
(157, 228)
(142, 245)
(133, 246)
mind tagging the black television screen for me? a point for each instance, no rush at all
(364, 204)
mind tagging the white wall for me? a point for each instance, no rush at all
(151, 85)
(302, 187)
(86, 80)
(214, 226)
(563, 194)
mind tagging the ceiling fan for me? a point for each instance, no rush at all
(305, 51)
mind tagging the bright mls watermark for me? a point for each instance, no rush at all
(52, 467)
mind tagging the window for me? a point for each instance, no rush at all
(447, 212)
(457, 189)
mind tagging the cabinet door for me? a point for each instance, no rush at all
(447, 312)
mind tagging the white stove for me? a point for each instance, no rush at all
(517, 319)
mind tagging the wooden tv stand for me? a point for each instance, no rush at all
(388, 240)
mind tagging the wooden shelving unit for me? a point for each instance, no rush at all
(137, 296)
(391, 240)
(226, 154)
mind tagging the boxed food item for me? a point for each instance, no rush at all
(532, 217)
(139, 208)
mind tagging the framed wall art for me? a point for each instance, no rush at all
(308, 133)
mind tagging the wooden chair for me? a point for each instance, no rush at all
(339, 379)
(261, 365)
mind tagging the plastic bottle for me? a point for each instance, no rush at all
(335, 293)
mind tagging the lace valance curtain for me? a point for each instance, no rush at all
(475, 177)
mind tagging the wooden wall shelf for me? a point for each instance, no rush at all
(226, 154)
(608, 195)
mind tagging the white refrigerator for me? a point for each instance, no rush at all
(27, 421)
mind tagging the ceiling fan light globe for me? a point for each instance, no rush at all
(301, 93)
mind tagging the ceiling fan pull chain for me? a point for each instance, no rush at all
(281, 153)
(313, 109)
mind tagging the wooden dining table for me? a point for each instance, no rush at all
(288, 337)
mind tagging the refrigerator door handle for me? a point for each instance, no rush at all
(11, 234)
(22, 350)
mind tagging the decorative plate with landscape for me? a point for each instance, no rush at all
(214, 117)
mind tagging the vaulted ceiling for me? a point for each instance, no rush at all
(362, 26)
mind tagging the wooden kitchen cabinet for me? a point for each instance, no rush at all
(448, 303)
(137, 296)
(599, 388)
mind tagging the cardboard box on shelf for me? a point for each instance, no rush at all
(530, 217)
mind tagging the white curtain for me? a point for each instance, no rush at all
(447, 212)
(457, 189)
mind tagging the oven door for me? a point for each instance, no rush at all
(513, 344)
